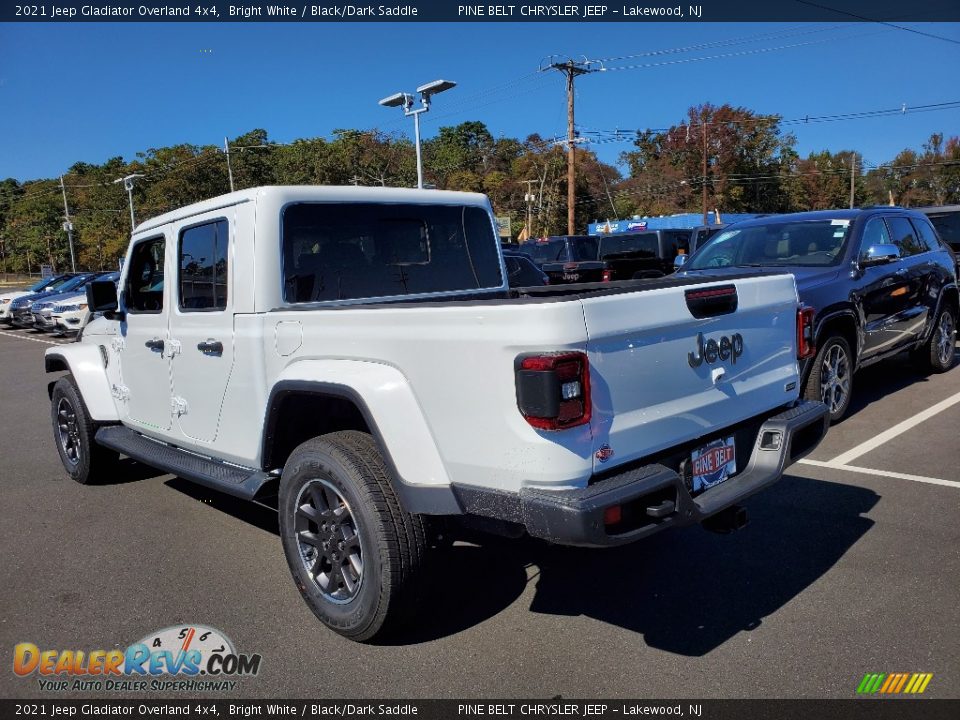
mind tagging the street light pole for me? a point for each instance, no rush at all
(128, 185)
(405, 101)
(67, 225)
(226, 150)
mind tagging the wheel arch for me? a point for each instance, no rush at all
(948, 295)
(841, 322)
(300, 409)
(86, 365)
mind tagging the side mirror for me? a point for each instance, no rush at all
(879, 255)
(679, 261)
(101, 296)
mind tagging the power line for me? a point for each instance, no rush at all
(880, 22)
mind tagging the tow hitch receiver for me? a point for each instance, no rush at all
(727, 520)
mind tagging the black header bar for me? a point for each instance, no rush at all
(632, 11)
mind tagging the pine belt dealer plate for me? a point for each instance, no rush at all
(713, 463)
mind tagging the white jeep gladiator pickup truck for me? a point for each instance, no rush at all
(356, 354)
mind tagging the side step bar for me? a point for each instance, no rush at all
(237, 481)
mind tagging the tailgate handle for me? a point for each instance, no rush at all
(661, 510)
(712, 301)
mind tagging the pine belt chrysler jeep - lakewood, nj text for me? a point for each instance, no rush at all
(357, 353)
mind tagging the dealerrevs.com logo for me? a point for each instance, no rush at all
(185, 657)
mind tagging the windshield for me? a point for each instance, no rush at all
(72, 284)
(777, 243)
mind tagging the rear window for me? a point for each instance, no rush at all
(369, 250)
(546, 250)
(583, 248)
(948, 226)
(642, 245)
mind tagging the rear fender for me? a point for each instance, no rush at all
(392, 413)
(85, 363)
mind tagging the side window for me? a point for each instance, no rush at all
(927, 236)
(904, 236)
(875, 233)
(203, 267)
(144, 289)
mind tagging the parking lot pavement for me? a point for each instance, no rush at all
(840, 572)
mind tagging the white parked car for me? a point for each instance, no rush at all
(7, 298)
(70, 315)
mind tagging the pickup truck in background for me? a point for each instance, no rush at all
(356, 357)
(632, 256)
(565, 258)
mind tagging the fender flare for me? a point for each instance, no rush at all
(393, 416)
(85, 363)
(946, 288)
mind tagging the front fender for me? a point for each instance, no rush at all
(85, 363)
(390, 408)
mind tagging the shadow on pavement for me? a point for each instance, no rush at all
(690, 591)
(686, 591)
(128, 471)
(885, 378)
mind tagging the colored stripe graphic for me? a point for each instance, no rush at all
(894, 683)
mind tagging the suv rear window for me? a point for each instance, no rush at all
(642, 245)
(346, 251)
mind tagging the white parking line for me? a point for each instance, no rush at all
(898, 429)
(24, 337)
(832, 465)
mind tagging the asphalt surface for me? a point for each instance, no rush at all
(841, 572)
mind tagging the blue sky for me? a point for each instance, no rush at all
(85, 91)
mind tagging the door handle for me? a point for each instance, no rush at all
(210, 347)
(155, 344)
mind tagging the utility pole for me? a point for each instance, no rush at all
(529, 197)
(571, 69)
(853, 173)
(226, 151)
(128, 185)
(703, 126)
(68, 225)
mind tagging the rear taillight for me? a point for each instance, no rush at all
(553, 389)
(606, 275)
(806, 345)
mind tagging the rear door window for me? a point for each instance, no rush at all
(927, 236)
(904, 236)
(203, 267)
(345, 251)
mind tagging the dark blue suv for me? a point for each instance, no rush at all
(880, 280)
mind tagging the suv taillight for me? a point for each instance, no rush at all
(553, 389)
(806, 345)
(606, 275)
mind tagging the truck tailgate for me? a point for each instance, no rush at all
(648, 390)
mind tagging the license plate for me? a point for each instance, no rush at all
(713, 463)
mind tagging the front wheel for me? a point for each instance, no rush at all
(73, 432)
(353, 551)
(831, 379)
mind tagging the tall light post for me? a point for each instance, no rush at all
(405, 100)
(68, 225)
(128, 186)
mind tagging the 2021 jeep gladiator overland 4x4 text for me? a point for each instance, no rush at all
(357, 353)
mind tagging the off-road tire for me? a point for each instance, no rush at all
(347, 469)
(73, 433)
(832, 347)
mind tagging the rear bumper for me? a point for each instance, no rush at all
(652, 497)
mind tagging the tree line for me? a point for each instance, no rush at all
(751, 166)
